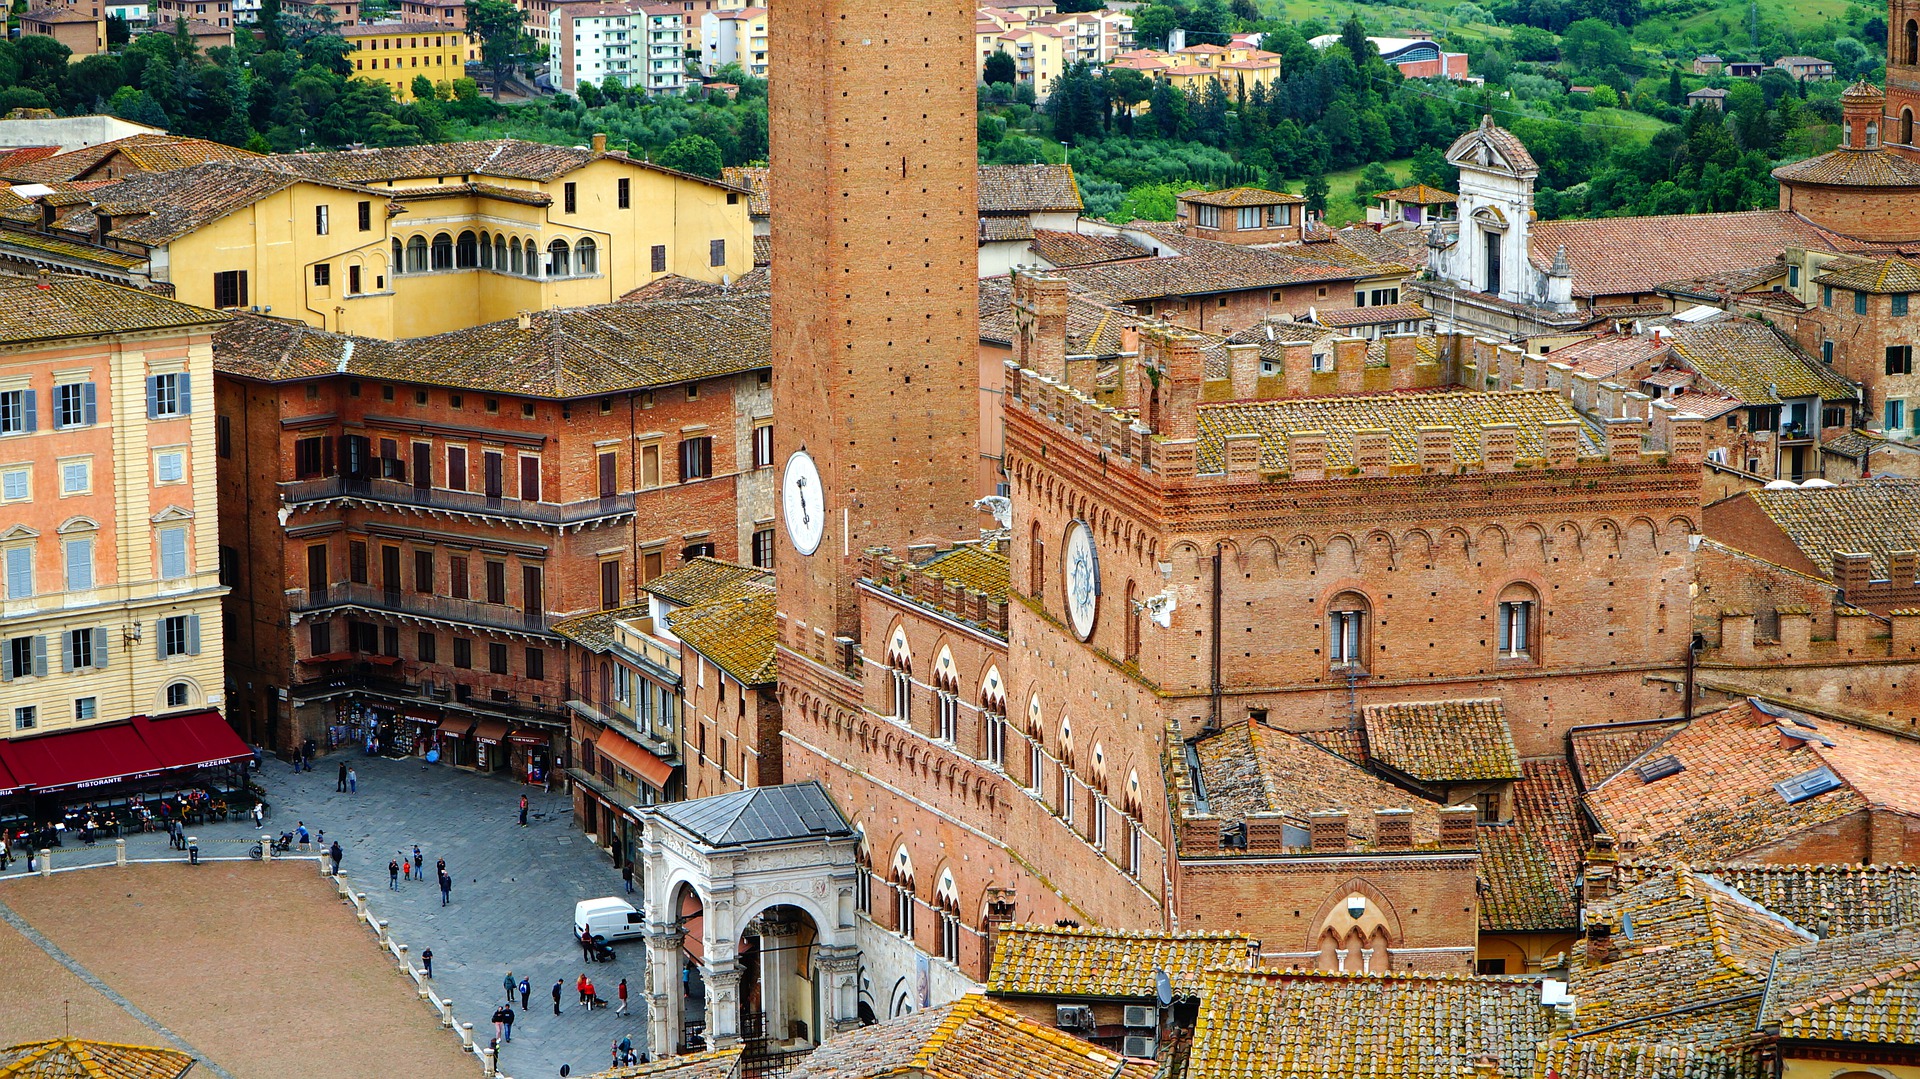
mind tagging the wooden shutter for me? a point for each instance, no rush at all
(529, 478)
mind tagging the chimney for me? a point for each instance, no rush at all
(1172, 402)
(1393, 829)
(1456, 827)
(1243, 368)
(1327, 830)
(599, 142)
(1599, 874)
(525, 320)
(1040, 315)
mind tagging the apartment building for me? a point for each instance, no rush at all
(112, 579)
(396, 53)
(734, 37)
(633, 45)
(1094, 36)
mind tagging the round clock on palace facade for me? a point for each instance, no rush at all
(803, 502)
(1080, 569)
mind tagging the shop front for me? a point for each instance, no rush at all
(531, 754)
(116, 769)
(452, 741)
(490, 745)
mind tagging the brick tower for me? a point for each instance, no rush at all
(1903, 73)
(875, 321)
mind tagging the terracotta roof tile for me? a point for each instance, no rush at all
(712, 1064)
(1006, 229)
(516, 159)
(972, 1038)
(709, 580)
(1872, 517)
(1092, 328)
(1206, 266)
(1028, 189)
(1443, 741)
(72, 1058)
(1500, 140)
(33, 310)
(1419, 194)
(980, 567)
(1755, 362)
(754, 179)
(1884, 276)
(1847, 898)
(738, 635)
(155, 208)
(59, 247)
(1373, 316)
(1595, 1058)
(1864, 987)
(595, 631)
(1609, 353)
(147, 152)
(1600, 752)
(1253, 768)
(1614, 255)
(1242, 196)
(1082, 248)
(1528, 865)
(1847, 167)
(1046, 961)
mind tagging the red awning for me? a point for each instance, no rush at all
(7, 783)
(652, 770)
(193, 740)
(491, 731)
(455, 727)
(428, 718)
(329, 657)
(529, 738)
(90, 757)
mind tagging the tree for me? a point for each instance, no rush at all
(504, 41)
(1373, 179)
(1354, 36)
(1534, 44)
(692, 153)
(1000, 68)
(1316, 194)
(1152, 23)
(1590, 45)
(1075, 103)
(1124, 88)
(1676, 93)
(422, 88)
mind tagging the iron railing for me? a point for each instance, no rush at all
(422, 604)
(399, 493)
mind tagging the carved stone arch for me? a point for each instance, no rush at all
(1417, 546)
(1331, 909)
(1493, 539)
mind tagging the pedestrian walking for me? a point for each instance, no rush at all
(626, 876)
(523, 811)
(440, 865)
(622, 1009)
(334, 853)
(393, 875)
(259, 814)
(301, 833)
(586, 945)
(500, 1023)
(420, 864)
(526, 990)
(353, 781)
(509, 983)
(581, 988)
(508, 1009)
(406, 867)
(557, 983)
(446, 889)
(426, 958)
(341, 783)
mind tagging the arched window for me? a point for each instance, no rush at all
(901, 877)
(900, 661)
(946, 896)
(1069, 784)
(399, 256)
(486, 252)
(1036, 565)
(1131, 805)
(606, 683)
(1036, 749)
(1518, 613)
(179, 695)
(1133, 616)
(465, 252)
(558, 263)
(993, 718)
(417, 255)
(587, 254)
(1906, 125)
(500, 253)
(1873, 135)
(1911, 53)
(517, 264)
(863, 871)
(946, 698)
(1347, 625)
(443, 252)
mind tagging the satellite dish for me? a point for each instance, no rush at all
(1162, 988)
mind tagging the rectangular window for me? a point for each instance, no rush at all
(423, 572)
(529, 478)
(763, 548)
(18, 412)
(79, 564)
(179, 635)
(1896, 415)
(74, 404)
(230, 288)
(25, 718)
(169, 395)
(1899, 303)
(696, 458)
(80, 648)
(1793, 277)
(1899, 359)
(1516, 620)
(609, 584)
(1859, 303)
(319, 638)
(496, 575)
(463, 653)
(1826, 295)
(322, 274)
(659, 258)
(496, 658)
(456, 468)
(173, 553)
(532, 589)
(76, 477)
(1344, 637)
(763, 446)
(492, 469)
(458, 583)
(84, 709)
(170, 466)
(1826, 352)
(16, 484)
(20, 657)
(537, 664)
(649, 467)
(423, 465)
(717, 253)
(353, 280)
(308, 457)
(626, 192)
(652, 564)
(1207, 217)
(429, 647)
(390, 641)
(222, 436)
(366, 216)
(569, 193)
(320, 220)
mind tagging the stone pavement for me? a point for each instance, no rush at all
(513, 892)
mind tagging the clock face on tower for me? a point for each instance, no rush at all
(1081, 578)
(803, 502)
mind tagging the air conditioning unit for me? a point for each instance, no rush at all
(1073, 1017)
(1138, 1046)
(1139, 1017)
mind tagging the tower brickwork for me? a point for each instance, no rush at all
(1903, 72)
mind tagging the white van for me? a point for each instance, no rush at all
(609, 918)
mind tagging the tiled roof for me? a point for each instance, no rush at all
(712, 1064)
(595, 631)
(1241, 196)
(71, 1058)
(978, 566)
(1887, 275)
(54, 16)
(1028, 189)
(757, 815)
(1725, 801)
(1854, 443)
(1093, 329)
(1593, 1058)
(1373, 316)
(155, 208)
(499, 192)
(1397, 248)
(1608, 354)
(1006, 229)
(738, 635)
(1059, 248)
(1847, 898)
(1600, 751)
(1253, 768)
(1401, 415)
(561, 353)
(1528, 865)
(1680, 943)
(1873, 517)
(1756, 362)
(515, 159)
(59, 307)
(754, 179)
(1500, 140)
(1205, 266)
(1300, 1025)
(1419, 194)
(375, 29)
(75, 250)
(1614, 255)
(1443, 741)
(1047, 961)
(1737, 281)
(1847, 167)
(1864, 987)
(972, 1038)
(709, 580)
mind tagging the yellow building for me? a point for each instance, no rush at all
(406, 241)
(397, 52)
(110, 597)
(1039, 54)
(1237, 68)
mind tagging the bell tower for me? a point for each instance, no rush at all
(875, 318)
(1903, 75)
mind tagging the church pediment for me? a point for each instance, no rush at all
(1490, 148)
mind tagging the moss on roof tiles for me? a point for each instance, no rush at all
(61, 307)
(1443, 741)
(1047, 961)
(737, 634)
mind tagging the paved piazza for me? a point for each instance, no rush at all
(290, 942)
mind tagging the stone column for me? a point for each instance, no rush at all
(722, 980)
(666, 1013)
(840, 966)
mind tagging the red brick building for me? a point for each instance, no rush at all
(416, 515)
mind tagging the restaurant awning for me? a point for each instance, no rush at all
(529, 738)
(7, 783)
(652, 770)
(90, 757)
(193, 740)
(455, 726)
(491, 731)
(329, 657)
(415, 716)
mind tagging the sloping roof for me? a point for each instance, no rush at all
(1498, 141)
(1206, 266)
(782, 814)
(72, 1058)
(712, 1064)
(1051, 961)
(1848, 167)
(59, 307)
(1253, 768)
(1372, 316)
(569, 352)
(1846, 898)
(1608, 354)
(1528, 864)
(1400, 415)
(1601, 751)
(1864, 987)
(1059, 248)
(980, 567)
(1614, 255)
(1419, 194)
(972, 1038)
(1593, 1058)
(1873, 517)
(516, 159)
(709, 580)
(1093, 328)
(1443, 741)
(146, 152)
(1756, 362)
(754, 179)
(737, 634)
(1028, 189)
(1006, 229)
(1279, 1024)
(1885, 275)
(1727, 799)
(1240, 196)
(594, 631)
(155, 208)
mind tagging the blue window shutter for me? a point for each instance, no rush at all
(159, 638)
(40, 655)
(186, 393)
(153, 397)
(30, 409)
(88, 406)
(66, 653)
(99, 649)
(19, 572)
(193, 635)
